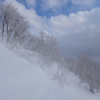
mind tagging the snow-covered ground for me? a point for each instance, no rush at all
(21, 80)
(73, 86)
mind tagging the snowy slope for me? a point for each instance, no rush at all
(74, 87)
(20, 80)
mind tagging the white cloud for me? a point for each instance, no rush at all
(31, 2)
(77, 33)
(73, 5)
(75, 23)
(52, 4)
(84, 2)
(56, 5)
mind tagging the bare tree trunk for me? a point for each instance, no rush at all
(2, 31)
(91, 89)
(7, 34)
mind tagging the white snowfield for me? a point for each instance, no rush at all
(20, 80)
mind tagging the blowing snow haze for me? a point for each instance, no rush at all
(75, 23)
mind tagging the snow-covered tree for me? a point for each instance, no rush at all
(13, 25)
(88, 72)
(48, 49)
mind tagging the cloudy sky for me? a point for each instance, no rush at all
(75, 23)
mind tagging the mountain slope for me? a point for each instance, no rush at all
(20, 80)
(74, 87)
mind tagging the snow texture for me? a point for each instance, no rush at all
(21, 80)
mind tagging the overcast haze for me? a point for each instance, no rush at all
(75, 23)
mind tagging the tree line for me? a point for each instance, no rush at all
(14, 30)
(88, 71)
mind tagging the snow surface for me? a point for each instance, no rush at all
(73, 86)
(21, 80)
